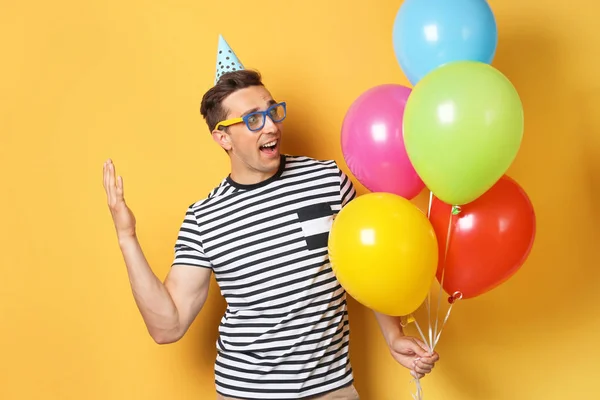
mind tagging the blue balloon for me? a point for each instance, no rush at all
(430, 33)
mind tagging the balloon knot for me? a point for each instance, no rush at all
(456, 210)
(454, 297)
(406, 320)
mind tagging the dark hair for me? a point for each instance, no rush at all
(211, 107)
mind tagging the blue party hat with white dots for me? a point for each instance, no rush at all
(227, 61)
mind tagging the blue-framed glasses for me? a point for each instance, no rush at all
(255, 121)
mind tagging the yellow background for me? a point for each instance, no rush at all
(83, 81)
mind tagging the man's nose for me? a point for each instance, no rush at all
(270, 126)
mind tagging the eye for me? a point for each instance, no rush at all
(276, 112)
(255, 120)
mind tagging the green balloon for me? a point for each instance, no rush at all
(463, 126)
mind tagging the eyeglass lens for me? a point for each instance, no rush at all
(256, 120)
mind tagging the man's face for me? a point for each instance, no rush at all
(247, 148)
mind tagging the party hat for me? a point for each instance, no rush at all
(227, 61)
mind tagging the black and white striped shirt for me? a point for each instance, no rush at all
(285, 332)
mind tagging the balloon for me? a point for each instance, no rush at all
(373, 145)
(490, 239)
(463, 126)
(383, 251)
(431, 33)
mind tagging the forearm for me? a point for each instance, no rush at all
(391, 327)
(151, 296)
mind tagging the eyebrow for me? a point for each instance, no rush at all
(269, 104)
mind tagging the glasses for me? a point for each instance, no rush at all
(255, 121)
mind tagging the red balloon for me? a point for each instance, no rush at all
(490, 238)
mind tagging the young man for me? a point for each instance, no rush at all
(263, 233)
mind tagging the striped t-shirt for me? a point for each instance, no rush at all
(285, 332)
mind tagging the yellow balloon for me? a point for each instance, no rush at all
(384, 252)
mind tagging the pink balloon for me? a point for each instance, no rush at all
(373, 144)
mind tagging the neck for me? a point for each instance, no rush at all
(244, 174)
(250, 177)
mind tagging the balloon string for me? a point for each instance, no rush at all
(428, 302)
(429, 325)
(456, 296)
(419, 390)
(437, 338)
(430, 204)
(419, 394)
(423, 337)
(441, 291)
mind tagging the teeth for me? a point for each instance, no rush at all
(270, 144)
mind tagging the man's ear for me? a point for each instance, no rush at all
(222, 138)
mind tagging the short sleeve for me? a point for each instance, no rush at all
(188, 246)
(347, 190)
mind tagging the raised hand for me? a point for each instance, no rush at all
(123, 218)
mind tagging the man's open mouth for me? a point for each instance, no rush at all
(270, 147)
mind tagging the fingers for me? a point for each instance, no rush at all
(414, 354)
(423, 367)
(112, 185)
(106, 174)
(425, 362)
(111, 181)
(431, 358)
(120, 188)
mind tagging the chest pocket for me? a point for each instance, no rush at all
(316, 221)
